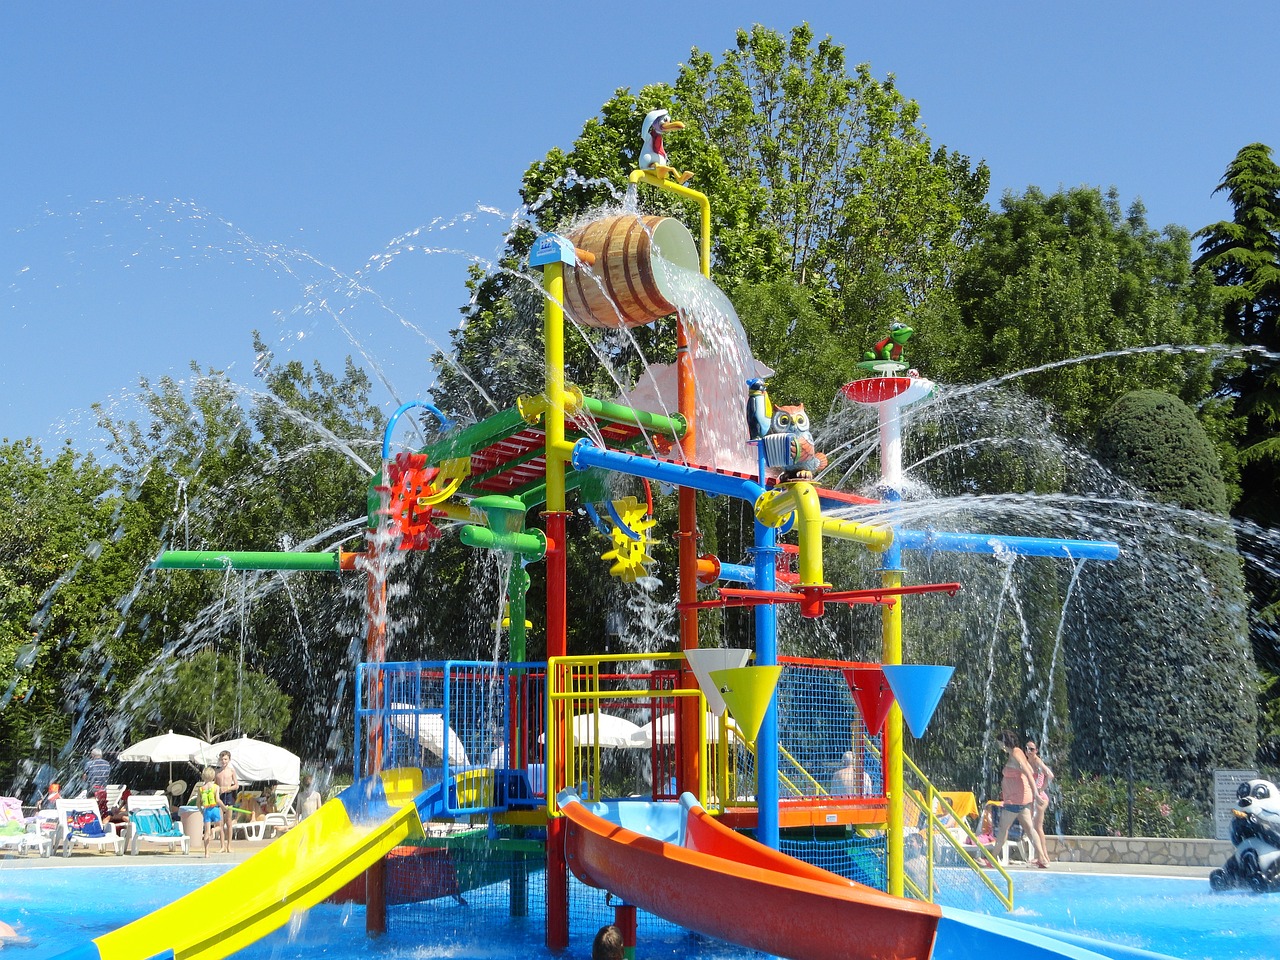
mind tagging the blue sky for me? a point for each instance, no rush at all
(177, 175)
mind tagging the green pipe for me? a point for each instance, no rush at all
(244, 560)
(672, 426)
(531, 545)
(517, 587)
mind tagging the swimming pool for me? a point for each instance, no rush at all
(60, 907)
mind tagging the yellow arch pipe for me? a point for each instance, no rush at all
(704, 209)
(458, 511)
(775, 506)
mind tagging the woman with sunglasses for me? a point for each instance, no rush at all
(1043, 774)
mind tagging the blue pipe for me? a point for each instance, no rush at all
(931, 540)
(766, 616)
(738, 573)
(586, 454)
(404, 407)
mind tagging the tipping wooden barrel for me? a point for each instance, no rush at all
(625, 288)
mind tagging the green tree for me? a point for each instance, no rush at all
(64, 563)
(1173, 659)
(214, 697)
(815, 177)
(1244, 256)
(1052, 278)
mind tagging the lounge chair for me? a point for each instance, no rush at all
(18, 833)
(1016, 843)
(79, 824)
(250, 829)
(151, 822)
(114, 792)
(286, 815)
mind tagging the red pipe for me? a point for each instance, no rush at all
(375, 899)
(624, 918)
(557, 646)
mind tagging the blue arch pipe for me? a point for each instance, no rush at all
(404, 408)
(587, 454)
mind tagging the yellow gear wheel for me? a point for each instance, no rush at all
(630, 556)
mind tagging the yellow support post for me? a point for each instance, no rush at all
(891, 623)
(558, 450)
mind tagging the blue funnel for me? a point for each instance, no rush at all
(917, 688)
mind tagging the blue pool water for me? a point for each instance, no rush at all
(60, 907)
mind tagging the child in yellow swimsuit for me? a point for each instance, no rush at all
(210, 806)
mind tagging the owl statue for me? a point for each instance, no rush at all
(789, 445)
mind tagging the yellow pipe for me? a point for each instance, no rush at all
(704, 208)
(458, 511)
(558, 451)
(891, 622)
(872, 537)
(775, 506)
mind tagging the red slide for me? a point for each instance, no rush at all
(724, 885)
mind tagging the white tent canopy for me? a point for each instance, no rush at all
(256, 760)
(427, 727)
(166, 748)
(613, 731)
(666, 730)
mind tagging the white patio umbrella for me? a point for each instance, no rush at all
(256, 760)
(166, 748)
(666, 730)
(428, 728)
(613, 731)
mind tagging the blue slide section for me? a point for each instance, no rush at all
(964, 935)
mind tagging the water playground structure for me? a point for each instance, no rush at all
(494, 775)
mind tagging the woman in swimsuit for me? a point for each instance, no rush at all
(1017, 796)
(1043, 774)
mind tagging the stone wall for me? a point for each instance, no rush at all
(1153, 850)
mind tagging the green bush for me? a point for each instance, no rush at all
(1099, 807)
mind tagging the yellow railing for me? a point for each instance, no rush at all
(933, 807)
(577, 686)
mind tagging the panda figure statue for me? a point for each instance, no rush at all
(1255, 834)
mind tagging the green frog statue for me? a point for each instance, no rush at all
(887, 356)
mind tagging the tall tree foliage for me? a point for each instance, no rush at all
(64, 563)
(214, 697)
(1173, 657)
(832, 172)
(210, 465)
(1244, 255)
(815, 177)
(1067, 275)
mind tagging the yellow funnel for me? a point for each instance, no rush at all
(747, 692)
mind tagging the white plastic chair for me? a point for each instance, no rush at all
(30, 838)
(151, 822)
(286, 815)
(80, 824)
(247, 829)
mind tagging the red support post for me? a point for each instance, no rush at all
(557, 646)
(624, 918)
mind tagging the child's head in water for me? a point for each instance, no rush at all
(607, 944)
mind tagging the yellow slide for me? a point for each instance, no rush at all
(344, 838)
